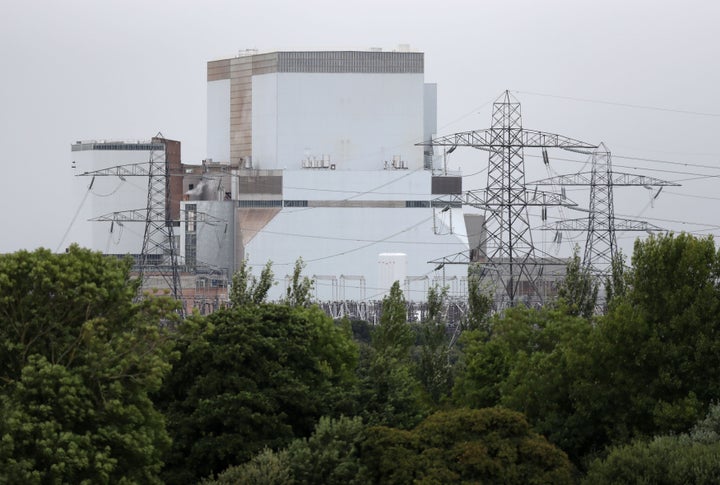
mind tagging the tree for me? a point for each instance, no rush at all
(258, 377)
(331, 455)
(483, 367)
(550, 381)
(265, 468)
(247, 289)
(299, 291)
(659, 345)
(615, 283)
(391, 393)
(433, 354)
(479, 307)
(77, 361)
(535, 362)
(578, 291)
(650, 366)
(491, 445)
(692, 457)
(393, 335)
(488, 358)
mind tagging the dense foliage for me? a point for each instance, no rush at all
(77, 362)
(650, 366)
(462, 446)
(692, 457)
(95, 388)
(459, 446)
(258, 376)
(390, 391)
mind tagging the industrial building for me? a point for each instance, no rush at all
(331, 157)
(311, 155)
(110, 177)
(125, 207)
(314, 155)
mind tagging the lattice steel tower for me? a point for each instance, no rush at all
(159, 250)
(601, 249)
(509, 259)
(159, 253)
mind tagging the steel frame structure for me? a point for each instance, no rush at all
(510, 260)
(601, 251)
(159, 253)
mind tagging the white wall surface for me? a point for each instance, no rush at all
(360, 120)
(347, 241)
(322, 184)
(392, 267)
(218, 120)
(430, 109)
(108, 194)
(265, 121)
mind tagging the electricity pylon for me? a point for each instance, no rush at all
(601, 251)
(159, 252)
(159, 249)
(508, 257)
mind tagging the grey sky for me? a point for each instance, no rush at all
(74, 70)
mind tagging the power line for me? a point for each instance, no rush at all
(342, 253)
(313, 236)
(631, 167)
(624, 105)
(75, 216)
(655, 160)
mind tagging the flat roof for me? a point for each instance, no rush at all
(140, 145)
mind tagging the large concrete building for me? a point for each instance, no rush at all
(314, 155)
(101, 190)
(110, 183)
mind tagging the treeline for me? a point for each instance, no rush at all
(96, 388)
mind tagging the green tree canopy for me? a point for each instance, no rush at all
(247, 289)
(77, 361)
(434, 369)
(391, 393)
(692, 457)
(393, 334)
(650, 366)
(492, 445)
(259, 377)
(578, 291)
(659, 346)
(299, 291)
(330, 456)
(480, 306)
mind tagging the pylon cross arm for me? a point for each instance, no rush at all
(129, 170)
(489, 139)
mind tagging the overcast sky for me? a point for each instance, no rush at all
(78, 70)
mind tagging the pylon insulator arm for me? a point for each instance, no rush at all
(618, 179)
(536, 198)
(140, 215)
(129, 170)
(618, 224)
(490, 138)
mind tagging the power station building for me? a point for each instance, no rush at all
(109, 180)
(314, 155)
(310, 155)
